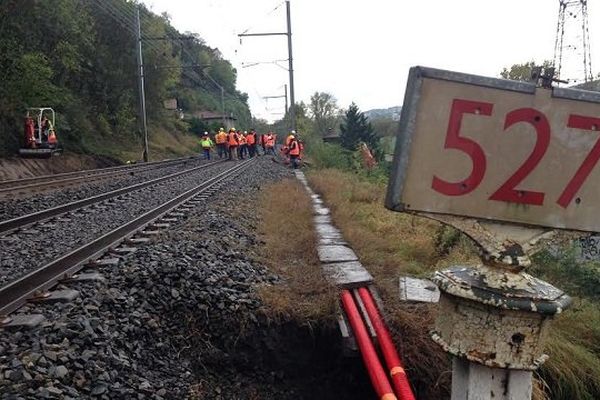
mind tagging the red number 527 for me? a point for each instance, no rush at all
(507, 191)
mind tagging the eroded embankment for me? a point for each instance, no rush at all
(187, 316)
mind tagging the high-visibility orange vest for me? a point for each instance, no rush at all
(270, 142)
(52, 137)
(251, 138)
(233, 139)
(242, 140)
(294, 148)
(221, 138)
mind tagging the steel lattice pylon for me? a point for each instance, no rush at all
(566, 46)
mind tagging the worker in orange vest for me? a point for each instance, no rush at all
(232, 142)
(286, 146)
(251, 142)
(294, 151)
(270, 143)
(289, 138)
(263, 142)
(221, 141)
(243, 149)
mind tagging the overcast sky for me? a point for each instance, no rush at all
(361, 50)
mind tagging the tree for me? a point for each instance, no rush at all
(324, 112)
(355, 128)
(85, 67)
(522, 72)
(384, 126)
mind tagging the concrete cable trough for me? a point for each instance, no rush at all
(340, 264)
(343, 269)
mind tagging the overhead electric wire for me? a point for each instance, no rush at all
(126, 18)
(226, 93)
(126, 21)
(267, 14)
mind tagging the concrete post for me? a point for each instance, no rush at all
(142, 94)
(472, 381)
(494, 320)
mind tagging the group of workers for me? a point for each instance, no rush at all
(237, 144)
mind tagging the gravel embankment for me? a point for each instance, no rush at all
(157, 322)
(25, 251)
(12, 208)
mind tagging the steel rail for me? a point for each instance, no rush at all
(38, 216)
(6, 191)
(43, 179)
(16, 293)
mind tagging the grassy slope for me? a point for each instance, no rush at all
(393, 244)
(163, 143)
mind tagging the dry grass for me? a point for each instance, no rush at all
(289, 250)
(164, 144)
(391, 245)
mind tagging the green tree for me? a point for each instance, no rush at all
(324, 112)
(384, 126)
(78, 57)
(356, 128)
(522, 72)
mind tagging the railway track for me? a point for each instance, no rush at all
(24, 221)
(14, 187)
(16, 293)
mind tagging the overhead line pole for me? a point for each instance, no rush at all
(290, 59)
(140, 63)
(291, 68)
(284, 95)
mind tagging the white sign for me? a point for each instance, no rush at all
(497, 149)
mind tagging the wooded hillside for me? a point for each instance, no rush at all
(78, 57)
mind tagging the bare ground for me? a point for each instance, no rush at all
(17, 168)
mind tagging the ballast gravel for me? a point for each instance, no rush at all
(12, 208)
(132, 335)
(29, 249)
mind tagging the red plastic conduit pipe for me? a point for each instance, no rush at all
(392, 359)
(367, 350)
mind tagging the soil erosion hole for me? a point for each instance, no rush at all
(282, 360)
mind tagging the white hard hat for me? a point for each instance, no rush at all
(293, 132)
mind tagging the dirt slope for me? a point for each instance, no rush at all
(16, 168)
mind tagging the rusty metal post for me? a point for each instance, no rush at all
(494, 320)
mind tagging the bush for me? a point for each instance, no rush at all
(327, 155)
(564, 271)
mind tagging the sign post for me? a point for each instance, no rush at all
(507, 163)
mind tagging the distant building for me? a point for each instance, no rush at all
(211, 116)
(331, 137)
(170, 104)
